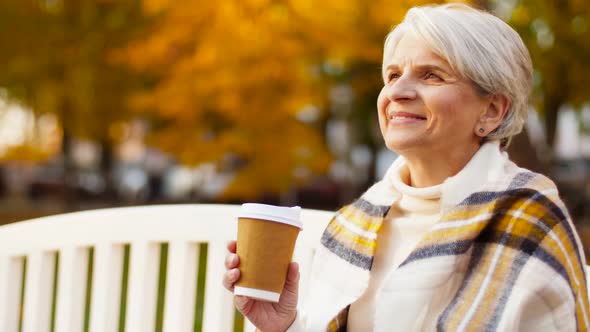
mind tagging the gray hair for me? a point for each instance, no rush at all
(480, 47)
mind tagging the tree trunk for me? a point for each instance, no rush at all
(69, 180)
(106, 170)
(372, 176)
(524, 154)
(69, 172)
(552, 105)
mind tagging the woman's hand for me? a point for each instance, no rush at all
(266, 316)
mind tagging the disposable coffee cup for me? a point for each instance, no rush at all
(266, 239)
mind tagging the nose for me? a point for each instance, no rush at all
(402, 89)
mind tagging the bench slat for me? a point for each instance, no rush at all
(141, 299)
(71, 289)
(180, 286)
(11, 278)
(218, 312)
(106, 289)
(38, 292)
(248, 327)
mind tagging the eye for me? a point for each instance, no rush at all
(432, 76)
(392, 76)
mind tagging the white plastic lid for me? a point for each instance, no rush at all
(283, 214)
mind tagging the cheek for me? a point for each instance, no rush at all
(449, 107)
(381, 105)
(381, 117)
(455, 118)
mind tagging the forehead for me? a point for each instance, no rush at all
(407, 49)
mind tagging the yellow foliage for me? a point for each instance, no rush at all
(26, 153)
(233, 74)
(557, 35)
(520, 15)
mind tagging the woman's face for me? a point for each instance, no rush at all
(424, 107)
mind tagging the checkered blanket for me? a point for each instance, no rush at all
(513, 231)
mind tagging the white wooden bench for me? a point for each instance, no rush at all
(35, 296)
(134, 268)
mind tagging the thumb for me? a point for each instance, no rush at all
(293, 274)
(290, 293)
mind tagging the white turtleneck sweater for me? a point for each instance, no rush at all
(405, 224)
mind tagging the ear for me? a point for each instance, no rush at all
(492, 116)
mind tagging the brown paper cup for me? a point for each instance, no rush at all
(265, 246)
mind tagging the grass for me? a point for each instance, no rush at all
(200, 289)
(22, 296)
(161, 286)
(54, 295)
(88, 297)
(124, 286)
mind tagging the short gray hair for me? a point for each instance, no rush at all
(480, 47)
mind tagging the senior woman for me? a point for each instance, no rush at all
(455, 236)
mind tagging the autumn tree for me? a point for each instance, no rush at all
(557, 33)
(248, 81)
(55, 60)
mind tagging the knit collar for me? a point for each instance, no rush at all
(485, 165)
(400, 185)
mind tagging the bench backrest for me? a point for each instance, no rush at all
(141, 268)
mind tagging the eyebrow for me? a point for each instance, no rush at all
(420, 67)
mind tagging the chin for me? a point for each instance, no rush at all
(400, 145)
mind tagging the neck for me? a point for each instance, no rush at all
(432, 169)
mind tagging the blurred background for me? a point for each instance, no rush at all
(124, 102)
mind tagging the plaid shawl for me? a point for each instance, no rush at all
(513, 220)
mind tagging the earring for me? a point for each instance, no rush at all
(481, 130)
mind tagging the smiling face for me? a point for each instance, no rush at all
(425, 108)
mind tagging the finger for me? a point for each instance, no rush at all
(243, 304)
(231, 246)
(229, 279)
(231, 261)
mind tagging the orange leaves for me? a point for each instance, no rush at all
(233, 75)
